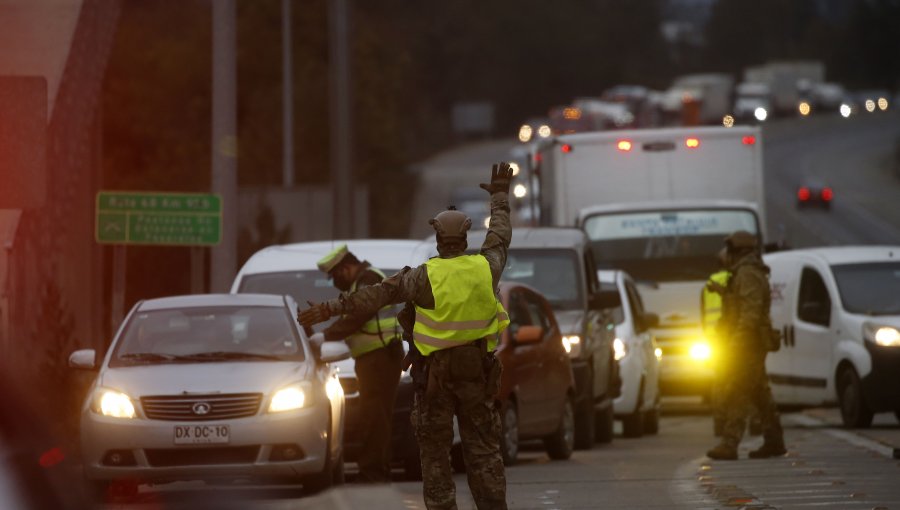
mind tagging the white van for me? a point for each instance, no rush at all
(839, 313)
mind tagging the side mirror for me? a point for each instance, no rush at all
(605, 299)
(334, 351)
(84, 359)
(529, 334)
(650, 320)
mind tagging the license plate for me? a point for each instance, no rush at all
(201, 434)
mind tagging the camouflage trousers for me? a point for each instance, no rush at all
(458, 384)
(745, 388)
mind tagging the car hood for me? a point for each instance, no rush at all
(218, 377)
(676, 303)
(571, 322)
(853, 322)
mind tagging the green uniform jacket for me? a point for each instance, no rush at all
(745, 304)
(412, 284)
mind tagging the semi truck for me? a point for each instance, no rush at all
(658, 204)
(788, 82)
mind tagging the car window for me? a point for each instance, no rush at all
(161, 336)
(871, 288)
(303, 286)
(519, 315)
(555, 273)
(637, 307)
(814, 304)
(617, 314)
(537, 312)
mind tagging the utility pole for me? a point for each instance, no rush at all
(341, 129)
(224, 141)
(287, 176)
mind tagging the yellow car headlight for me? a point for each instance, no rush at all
(701, 351)
(112, 403)
(885, 336)
(658, 353)
(620, 349)
(288, 399)
(572, 344)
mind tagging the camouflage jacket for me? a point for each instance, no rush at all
(745, 303)
(412, 284)
(346, 326)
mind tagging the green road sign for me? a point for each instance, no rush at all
(175, 219)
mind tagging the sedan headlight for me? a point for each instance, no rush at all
(572, 345)
(112, 403)
(701, 351)
(620, 349)
(290, 398)
(885, 336)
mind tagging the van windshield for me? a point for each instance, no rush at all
(871, 288)
(665, 246)
(553, 272)
(303, 286)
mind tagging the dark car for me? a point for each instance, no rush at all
(537, 386)
(815, 193)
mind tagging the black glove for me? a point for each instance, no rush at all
(501, 175)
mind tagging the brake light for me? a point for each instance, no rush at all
(803, 194)
(692, 143)
(624, 145)
(51, 457)
(537, 157)
(748, 140)
(566, 148)
(827, 194)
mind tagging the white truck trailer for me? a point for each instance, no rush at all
(789, 82)
(658, 203)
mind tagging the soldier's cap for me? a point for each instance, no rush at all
(741, 240)
(329, 262)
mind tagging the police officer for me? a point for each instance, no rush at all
(374, 342)
(458, 318)
(746, 328)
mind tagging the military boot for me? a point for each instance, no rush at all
(723, 451)
(769, 449)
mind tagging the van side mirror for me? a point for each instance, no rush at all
(84, 359)
(529, 335)
(650, 320)
(331, 352)
(604, 299)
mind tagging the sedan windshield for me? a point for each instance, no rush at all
(202, 334)
(555, 273)
(871, 288)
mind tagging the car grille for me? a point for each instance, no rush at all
(191, 407)
(167, 457)
(350, 385)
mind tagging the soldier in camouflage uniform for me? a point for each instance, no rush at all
(745, 328)
(457, 319)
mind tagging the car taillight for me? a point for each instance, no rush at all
(803, 194)
(748, 140)
(692, 143)
(624, 145)
(827, 194)
(566, 148)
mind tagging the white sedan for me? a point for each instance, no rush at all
(637, 353)
(212, 387)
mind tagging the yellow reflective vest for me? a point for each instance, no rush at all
(377, 332)
(465, 306)
(712, 304)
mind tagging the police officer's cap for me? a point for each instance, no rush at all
(333, 259)
(741, 240)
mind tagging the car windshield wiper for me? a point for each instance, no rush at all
(228, 355)
(148, 356)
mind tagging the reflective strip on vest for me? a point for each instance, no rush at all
(465, 306)
(712, 304)
(376, 332)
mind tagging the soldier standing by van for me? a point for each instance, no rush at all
(746, 338)
(458, 320)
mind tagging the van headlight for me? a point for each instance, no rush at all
(572, 345)
(112, 403)
(620, 349)
(700, 350)
(291, 397)
(885, 336)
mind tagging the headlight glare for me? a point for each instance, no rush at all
(114, 404)
(885, 336)
(701, 351)
(658, 353)
(572, 344)
(333, 388)
(287, 399)
(620, 349)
